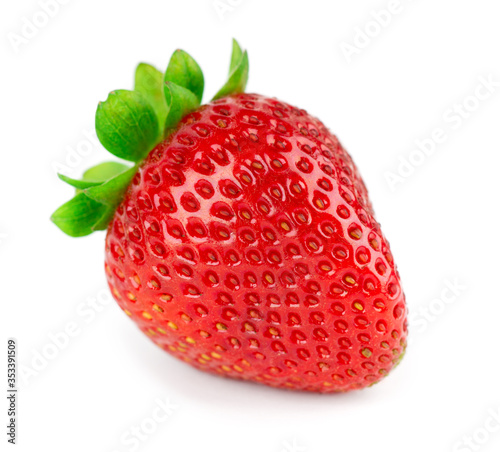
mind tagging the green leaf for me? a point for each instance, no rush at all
(238, 73)
(104, 171)
(93, 208)
(110, 193)
(78, 184)
(78, 216)
(103, 222)
(184, 71)
(149, 82)
(127, 125)
(95, 175)
(180, 101)
(236, 56)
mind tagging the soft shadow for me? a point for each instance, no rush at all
(229, 393)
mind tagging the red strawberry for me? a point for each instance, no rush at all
(246, 245)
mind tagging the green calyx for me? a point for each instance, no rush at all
(129, 124)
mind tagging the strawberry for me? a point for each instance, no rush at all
(242, 241)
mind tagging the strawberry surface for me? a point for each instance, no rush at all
(246, 245)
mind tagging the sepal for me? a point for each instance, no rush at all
(98, 194)
(238, 73)
(180, 102)
(79, 216)
(184, 71)
(149, 82)
(127, 125)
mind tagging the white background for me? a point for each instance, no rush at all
(441, 220)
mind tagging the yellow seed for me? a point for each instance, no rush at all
(313, 245)
(326, 383)
(216, 355)
(358, 306)
(154, 284)
(131, 296)
(171, 347)
(249, 327)
(137, 280)
(355, 233)
(147, 315)
(238, 368)
(329, 229)
(284, 225)
(190, 340)
(201, 361)
(227, 369)
(349, 279)
(173, 325)
(186, 318)
(366, 352)
(127, 312)
(165, 297)
(221, 327)
(157, 308)
(273, 331)
(161, 330)
(254, 314)
(319, 203)
(205, 356)
(116, 293)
